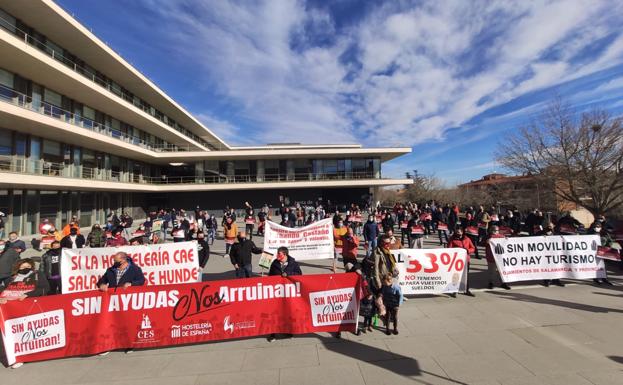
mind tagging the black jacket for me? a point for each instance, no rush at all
(292, 268)
(7, 260)
(133, 275)
(51, 263)
(66, 241)
(240, 253)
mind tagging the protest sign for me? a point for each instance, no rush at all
(431, 271)
(547, 257)
(162, 264)
(87, 323)
(310, 242)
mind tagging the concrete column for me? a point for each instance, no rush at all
(290, 169)
(230, 169)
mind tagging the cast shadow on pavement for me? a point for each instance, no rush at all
(556, 302)
(384, 359)
(617, 359)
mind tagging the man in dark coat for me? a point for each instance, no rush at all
(123, 273)
(240, 255)
(284, 265)
(73, 240)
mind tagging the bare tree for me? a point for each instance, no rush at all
(579, 157)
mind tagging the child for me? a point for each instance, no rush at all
(366, 310)
(392, 298)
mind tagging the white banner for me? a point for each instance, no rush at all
(310, 242)
(431, 271)
(34, 333)
(548, 257)
(162, 264)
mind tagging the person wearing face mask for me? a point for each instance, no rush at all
(339, 231)
(50, 267)
(123, 273)
(97, 237)
(24, 282)
(203, 249)
(492, 269)
(606, 241)
(73, 240)
(370, 235)
(384, 263)
(7, 258)
(14, 242)
(240, 255)
(460, 241)
(548, 229)
(117, 239)
(285, 266)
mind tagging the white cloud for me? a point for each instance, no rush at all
(424, 69)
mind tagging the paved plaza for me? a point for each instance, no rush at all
(528, 335)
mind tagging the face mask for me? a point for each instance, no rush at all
(597, 229)
(116, 265)
(240, 239)
(24, 271)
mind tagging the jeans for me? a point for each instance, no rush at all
(55, 286)
(244, 271)
(443, 234)
(249, 231)
(372, 243)
(228, 248)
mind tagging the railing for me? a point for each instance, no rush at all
(22, 165)
(11, 96)
(105, 83)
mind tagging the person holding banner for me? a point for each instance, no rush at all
(50, 267)
(606, 241)
(492, 269)
(24, 282)
(416, 233)
(349, 247)
(123, 273)
(548, 229)
(285, 266)
(460, 241)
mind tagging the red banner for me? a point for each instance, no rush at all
(87, 323)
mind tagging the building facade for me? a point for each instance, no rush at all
(82, 132)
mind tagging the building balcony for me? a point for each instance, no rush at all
(43, 174)
(8, 95)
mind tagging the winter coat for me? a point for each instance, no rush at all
(67, 244)
(392, 295)
(462, 243)
(96, 238)
(133, 275)
(38, 284)
(370, 231)
(50, 265)
(7, 260)
(240, 253)
(292, 268)
(349, 247)
(384, 263)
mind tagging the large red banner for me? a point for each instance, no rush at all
(151, 316)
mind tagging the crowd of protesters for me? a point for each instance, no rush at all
(378, 230)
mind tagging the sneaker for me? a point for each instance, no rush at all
(505, 286)
(359, 332)
(490, 285)
(546, 283)
(469, 294)
(405, 299)
(559, 283)
(129, 351)
(388, 332)
(370, 329)
(103, 354)
(271, 338)
(453, 295)
(395, 332)
(597, 281)
(17, 365)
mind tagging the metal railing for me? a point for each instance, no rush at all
(105, 83)
(11, 96)
(23, 165)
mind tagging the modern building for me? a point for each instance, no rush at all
(82, 132)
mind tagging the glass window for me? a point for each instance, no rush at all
(52, 98)
(16, 210)
(329, 166)
(6, 142)
(6, 78)
(88, 112)
(49, 205)
(20, 144)
(7, 21)
(87, 204)
(35, 148)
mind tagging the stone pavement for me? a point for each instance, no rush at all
(528, 335)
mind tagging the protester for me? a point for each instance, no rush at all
(548, 230)
(384, 262)
(7, 259)
(370, 235)
(605, 241)
(394, 243)
(67, 229)
(50, 267)
(123, 273)
(14, 242)
(230, 232)
(73, 240)
(392, 299)
(459, 240)
(285, 266)
(492, 269)
(97, 236)
(339, 231)
(203, 249)
(249, 219)
(350, 244)
(241, 255)
(116, 240)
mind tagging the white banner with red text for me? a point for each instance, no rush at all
(162, 264)
(314, 241)
(548, 257)
(431, 271)
(87, 323)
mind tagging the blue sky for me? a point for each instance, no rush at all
(448, 78)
